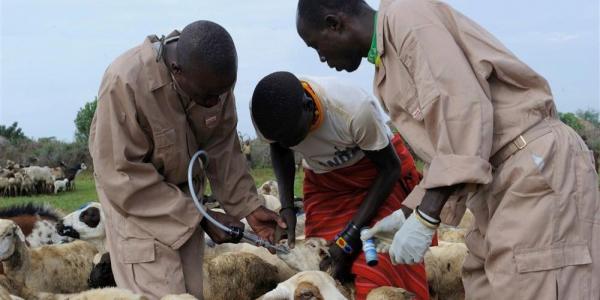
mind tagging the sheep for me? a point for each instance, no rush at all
(451, 234)
(443, 265)
(37, 223)
(27, 185)
(316, 285)
(306, 255)
(271, 202)
(238, 276)
(58, 173)
(55, 268)
(60, 185)
(96, 294)
(72, 172)
(108, 294)
(42, 178)
(284, 270)
(101, 275)
(86, 223)
(391, 293)
(3, 186)
(269, 188)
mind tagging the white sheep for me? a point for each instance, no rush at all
(443, 265)
(108, 294)
(237, 275)
(60, 268)
(86, 223)
(316, 285)
(390, 293)
(61, 185)
(269, 188)
(42, 178)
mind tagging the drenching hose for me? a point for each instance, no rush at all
(236, 233)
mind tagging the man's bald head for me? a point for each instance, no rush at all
(339, 30)
(205, 44)
(313, 12)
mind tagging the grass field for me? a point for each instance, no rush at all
(86, 191)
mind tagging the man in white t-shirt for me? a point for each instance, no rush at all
(356, 171)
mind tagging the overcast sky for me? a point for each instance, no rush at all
(53, 53)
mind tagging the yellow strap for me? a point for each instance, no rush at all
(318, 106)
(425, 222)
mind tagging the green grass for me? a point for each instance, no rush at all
(86, 191)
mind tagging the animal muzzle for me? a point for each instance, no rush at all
(66, 230)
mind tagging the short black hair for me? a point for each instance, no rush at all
(314, 11)
(205, 44)
(277, 103)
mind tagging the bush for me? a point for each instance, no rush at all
(83, 121)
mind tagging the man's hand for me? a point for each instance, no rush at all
(289, 217)
(339, 263)
(386, 226)
(411, 241)
(264, 221)
(215, 233)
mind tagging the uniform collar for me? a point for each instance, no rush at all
(151, 52)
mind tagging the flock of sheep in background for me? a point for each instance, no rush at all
(72, 262)
(16, 180)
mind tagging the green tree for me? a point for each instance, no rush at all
(13, 133)
(83, 121)
(591, 115)
(571, 120)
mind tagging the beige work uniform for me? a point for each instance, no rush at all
(141, 142)
(461, 100)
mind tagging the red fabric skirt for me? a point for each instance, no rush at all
(331, 200)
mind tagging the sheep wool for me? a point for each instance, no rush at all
(54, 268)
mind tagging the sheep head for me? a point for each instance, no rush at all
(86, 223)
(313, 285)
(10, 235)
(306, 256)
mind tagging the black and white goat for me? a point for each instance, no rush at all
(72, 172)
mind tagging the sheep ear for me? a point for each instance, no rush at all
(19, 233)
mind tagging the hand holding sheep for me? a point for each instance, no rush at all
(264, 221)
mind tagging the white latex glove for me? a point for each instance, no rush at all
(411, 242)
(384, 230)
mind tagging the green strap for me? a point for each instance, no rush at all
(373, 55)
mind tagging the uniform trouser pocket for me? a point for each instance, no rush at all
(152, 267)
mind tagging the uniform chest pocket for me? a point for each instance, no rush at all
(403, 97)
(400, 94)
(164, 139)
(165, 149)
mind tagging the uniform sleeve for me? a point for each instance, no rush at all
(368, 129)
(227, 169)
(131, 183)
(453, 105)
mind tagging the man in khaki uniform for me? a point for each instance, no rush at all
(486, 126)
(158, 103)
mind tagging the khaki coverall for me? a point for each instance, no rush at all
(141, 143)
(484, 120)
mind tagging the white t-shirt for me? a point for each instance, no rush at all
(353, 121)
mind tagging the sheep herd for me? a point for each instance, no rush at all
(77, 266)
(16, 180)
